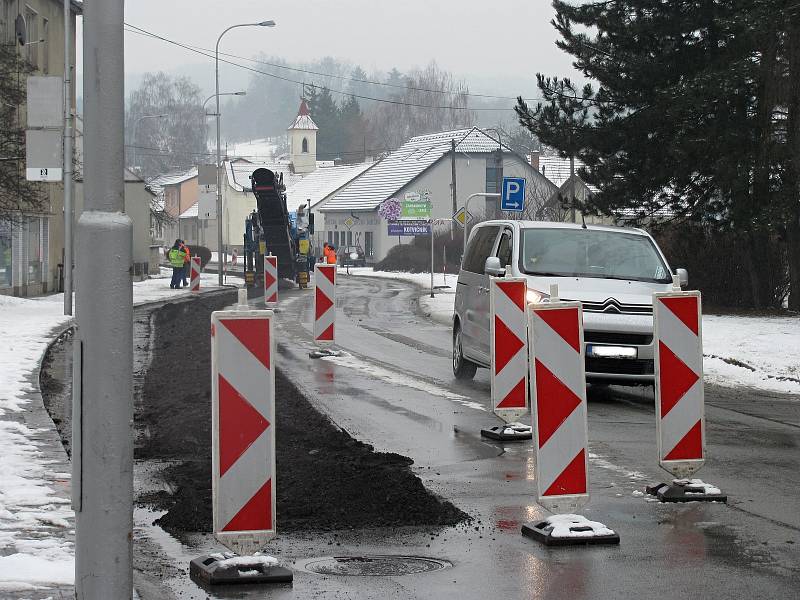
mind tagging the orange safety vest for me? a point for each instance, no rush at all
(188, 256)
(331, 257)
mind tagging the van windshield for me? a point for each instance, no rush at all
(591, 253)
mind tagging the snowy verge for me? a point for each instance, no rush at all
(758, 352)
(34, 518)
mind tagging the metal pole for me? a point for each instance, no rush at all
(453, 185)
(68, 217)
(133, 145)
(431, 258)
(221, 258)
(102, 461)
(466, 212)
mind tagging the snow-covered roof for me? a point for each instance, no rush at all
(172, 178)
(238, 173)
(303, 119)
(321, 183)
(406, 163)
(557, 169)
(191, 212)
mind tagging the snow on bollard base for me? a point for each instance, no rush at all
(227, 568)
(510, 432)
(570, 530)
(687, 490)
(558, 402)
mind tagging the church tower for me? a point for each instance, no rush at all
(303, 141)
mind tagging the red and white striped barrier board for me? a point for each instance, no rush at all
(509, 348)
(243, 428)
(558, 383)
(324, 303)
(270, 280)
(680, 409)
(194, 279)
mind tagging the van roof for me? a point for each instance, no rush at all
(559, 225)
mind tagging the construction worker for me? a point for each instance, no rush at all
(176, 260)
(331, 257)
(186, 262)
(326, 249)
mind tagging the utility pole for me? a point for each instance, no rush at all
(102, 423)
(572, 187)
(68, 216)
(453, 185)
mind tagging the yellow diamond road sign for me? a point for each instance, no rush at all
(349, 222)
(462, 217)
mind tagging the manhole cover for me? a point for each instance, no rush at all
(374, 565)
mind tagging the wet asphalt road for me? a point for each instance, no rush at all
(393, 388)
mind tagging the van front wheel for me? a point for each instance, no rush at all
(462, 367)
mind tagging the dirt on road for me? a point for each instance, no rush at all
(326, 480)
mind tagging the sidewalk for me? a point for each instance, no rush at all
(36, 521)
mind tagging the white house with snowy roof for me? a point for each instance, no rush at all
(424, 164)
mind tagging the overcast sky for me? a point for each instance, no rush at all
(496, 45)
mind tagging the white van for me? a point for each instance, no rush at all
(613, 271)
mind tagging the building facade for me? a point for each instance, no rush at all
(32, 245)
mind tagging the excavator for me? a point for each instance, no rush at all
(272, 229)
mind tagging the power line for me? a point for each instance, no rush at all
(339, 77)
(144, 32)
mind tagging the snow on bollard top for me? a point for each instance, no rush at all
(576, 526)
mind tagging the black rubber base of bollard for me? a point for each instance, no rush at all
(207, 570)
(543, 532)
(496, 433)
(683, 493)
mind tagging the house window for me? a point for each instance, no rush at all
(45, 47)
(493, 175)
(305, 145)
(369, 249)
(349, 238)
(6, 271)
(32, 45)
(330, 237)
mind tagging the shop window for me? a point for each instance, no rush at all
(369, 250)
(6, 270)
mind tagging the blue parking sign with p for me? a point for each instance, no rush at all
(513, 194)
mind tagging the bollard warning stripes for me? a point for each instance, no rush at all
(271, 281)
(558, 384)
(194, 280)
(324, 304)
(679, 382)
(509, 350)
(243, 431)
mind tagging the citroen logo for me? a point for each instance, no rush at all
(611, 306)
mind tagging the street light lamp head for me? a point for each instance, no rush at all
(242, 93)
(267, 24)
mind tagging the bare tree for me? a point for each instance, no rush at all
(432, 100)
(179, 139)
(17, 195)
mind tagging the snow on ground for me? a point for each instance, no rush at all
(759, 352)
(255, 150)
(29, 506)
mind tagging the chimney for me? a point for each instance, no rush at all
(535, 159)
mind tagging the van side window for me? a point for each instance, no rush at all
(504, 248)
(480, 248)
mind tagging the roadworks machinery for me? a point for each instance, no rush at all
(272, 229)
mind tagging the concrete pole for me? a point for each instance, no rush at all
(68, 216)
(103, 401)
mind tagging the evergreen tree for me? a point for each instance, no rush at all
(326, 115)
(684, 119)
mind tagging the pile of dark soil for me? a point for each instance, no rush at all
(326, 480)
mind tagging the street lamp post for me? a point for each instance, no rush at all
(239, 93)
(221, 258)
(133, 136)
(466, 212)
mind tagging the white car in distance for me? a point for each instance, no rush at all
(612, 271)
